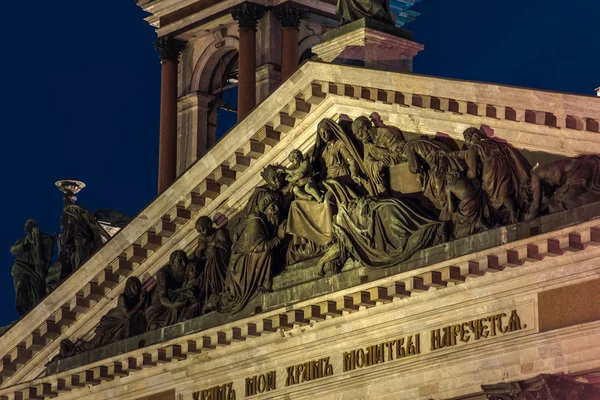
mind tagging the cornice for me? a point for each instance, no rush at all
(204, 19)
(287, 119)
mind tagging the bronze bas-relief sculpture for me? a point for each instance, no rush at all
(212, 255)
(382, 148)
(170, 295)
(124, 321)
(300, 178)
(563, 185)
(252, 254)
(339, 212)
(33, 257)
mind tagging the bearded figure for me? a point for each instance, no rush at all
(383, 148)
(254, 245)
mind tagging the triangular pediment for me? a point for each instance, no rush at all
(222, 181)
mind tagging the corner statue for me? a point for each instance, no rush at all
(34, 253)
(81, 236)
(352, 10)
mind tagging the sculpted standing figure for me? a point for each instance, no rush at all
(212, 254)
(167, 306)
(254, 245)
(34, 254)
(81, 236)
(564, 185)
(352, 10)
(124, 321)
(501, 170)
(382, 148)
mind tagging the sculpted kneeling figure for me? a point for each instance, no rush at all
(254, 247)
(212, 254)
(167, 306)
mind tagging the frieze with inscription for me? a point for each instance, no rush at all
(403, 348)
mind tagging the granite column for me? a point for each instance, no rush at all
(289, 14)
(247, 15)
(169, 50)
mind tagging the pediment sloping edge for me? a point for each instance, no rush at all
(536, 120)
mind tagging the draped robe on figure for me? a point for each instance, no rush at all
(29, 271)
(381, 232)
(250, 264)
(167, 284)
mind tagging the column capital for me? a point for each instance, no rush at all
(290, 14)
(169, 48)
(247, 14)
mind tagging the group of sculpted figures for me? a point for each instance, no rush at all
(341, 202)
(81, 235)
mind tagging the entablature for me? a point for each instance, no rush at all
(186, 20)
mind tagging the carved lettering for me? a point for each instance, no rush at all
(222, 392)
(376, 354)
(261, 383)
(308, 371)
(476, 329)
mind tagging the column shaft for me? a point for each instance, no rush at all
(247, 72)
(289, 51)
(167, 153)
(169, 50)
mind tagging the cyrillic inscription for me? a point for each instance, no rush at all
(223, 392)
(261, 383)
(308, 371)
(380, 353)
(476, 329)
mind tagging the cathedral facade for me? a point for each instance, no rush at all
(362, 232)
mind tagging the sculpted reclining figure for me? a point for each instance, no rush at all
(564, 185)
(122, 322)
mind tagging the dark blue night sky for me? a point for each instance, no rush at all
(82, 86)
